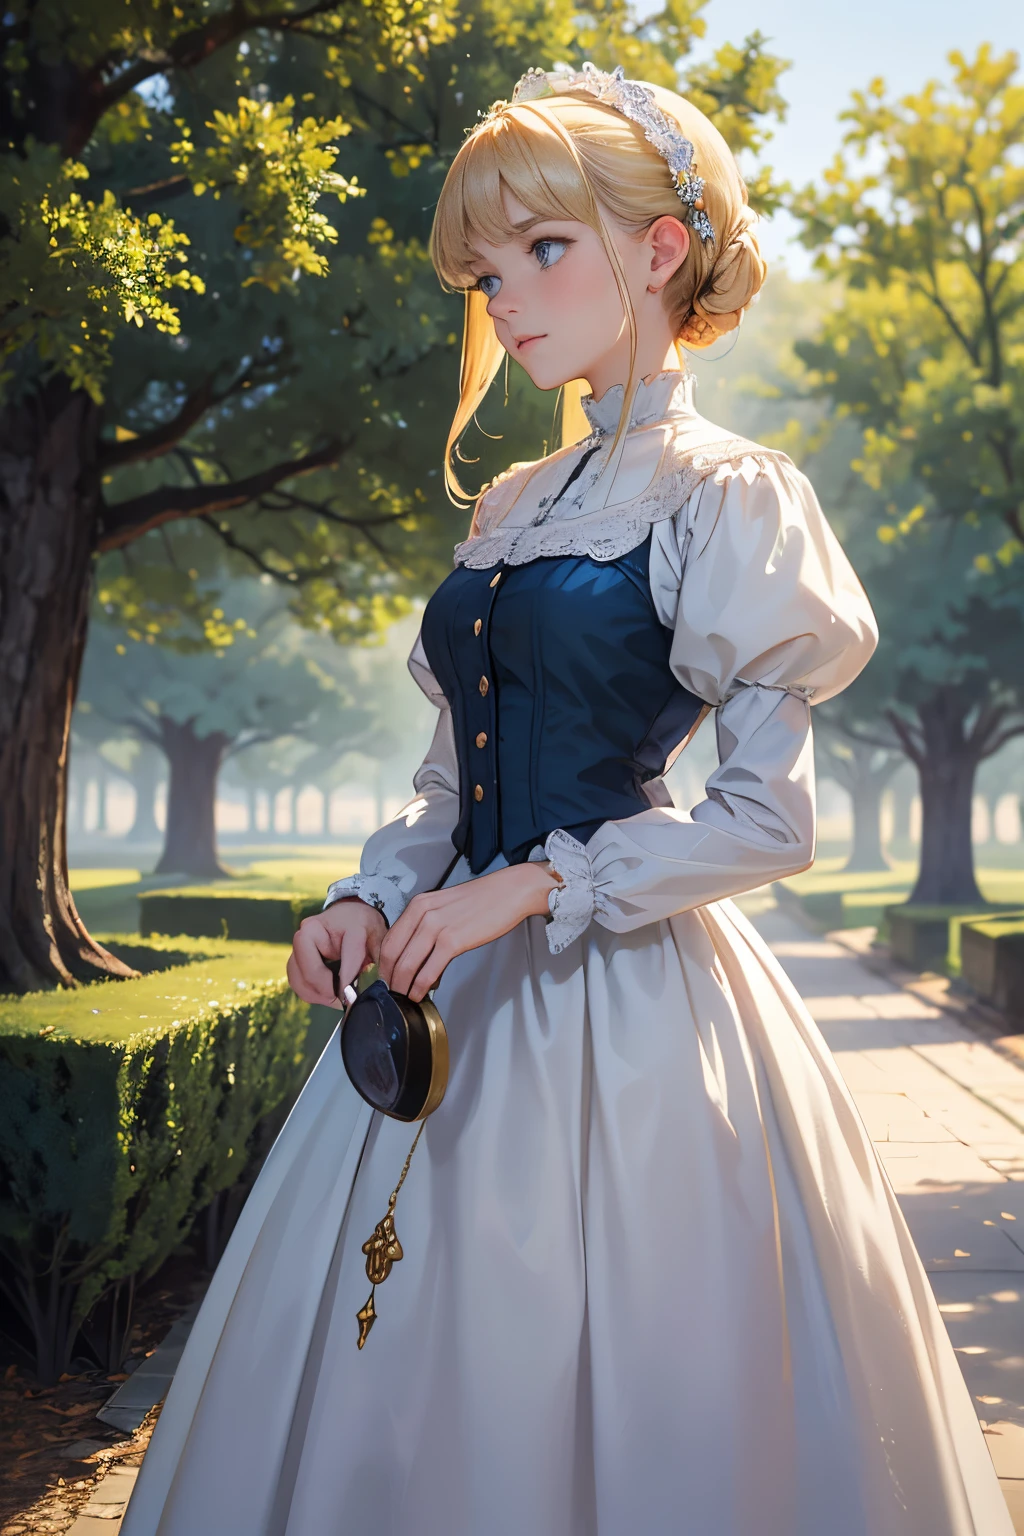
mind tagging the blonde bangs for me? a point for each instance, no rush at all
(523, 151)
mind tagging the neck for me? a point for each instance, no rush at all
(653, 356)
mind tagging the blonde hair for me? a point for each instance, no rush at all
(569, 156)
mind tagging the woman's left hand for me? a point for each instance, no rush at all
(435, 928)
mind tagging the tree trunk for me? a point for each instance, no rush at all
(903, 790)
(190, 839)
(49, 502)
(252, 800)
(146, 780)
(866, 802)
(102, 790)
(325, 813)
(946, 769)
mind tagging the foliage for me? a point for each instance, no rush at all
(126, 1107)
(73, 270)
(927, 350)
(278, 170)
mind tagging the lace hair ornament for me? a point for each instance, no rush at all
(636, 102)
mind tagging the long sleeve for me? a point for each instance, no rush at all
(411, 852)
(767, 615)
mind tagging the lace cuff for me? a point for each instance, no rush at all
(379, 891)
(573, 903)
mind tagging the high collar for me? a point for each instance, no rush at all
(666, 394)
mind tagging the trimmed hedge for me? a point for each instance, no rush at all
(125, 1107)
(822, 908)
(268, 917)
(927, 938)
(992, 962)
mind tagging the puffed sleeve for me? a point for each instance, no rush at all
(412, 852)
(767, 616)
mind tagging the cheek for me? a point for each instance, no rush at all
(585, 294)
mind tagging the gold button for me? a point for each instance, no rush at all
(484, 686)
(478, 792)
(496, 579)
(481, 739)
(478, 626)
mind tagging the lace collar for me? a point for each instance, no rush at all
(665, 394)
(694, 450)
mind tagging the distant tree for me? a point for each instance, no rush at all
(923, 356)
(864, 770)
(200, 709)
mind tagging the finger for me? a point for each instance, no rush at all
(353, 956)
(433, 968)
(318, 992)
(402, 930)
(395, 942)
(412, 959)
(312, 945)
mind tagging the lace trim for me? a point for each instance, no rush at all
(380, 891)
(573, 903)
(609, 534)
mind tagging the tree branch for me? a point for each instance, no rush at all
(126, 521)
(160, 191)
(159, 440)
(104, 89)
(286, 578)
(913, 749)
(1010, 733)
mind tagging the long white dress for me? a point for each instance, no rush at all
(655, 1279)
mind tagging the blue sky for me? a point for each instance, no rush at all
(836, 49)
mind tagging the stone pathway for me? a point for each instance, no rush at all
(104, 1512)
(946, 1112)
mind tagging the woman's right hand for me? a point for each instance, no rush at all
(350, 934)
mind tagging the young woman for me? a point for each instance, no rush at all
(654, 1279)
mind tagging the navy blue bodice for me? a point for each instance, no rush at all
(563, 701)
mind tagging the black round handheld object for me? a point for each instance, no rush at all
(395, 1052)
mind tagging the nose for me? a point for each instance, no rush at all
(503, 304)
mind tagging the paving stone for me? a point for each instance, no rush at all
(913, 1166)
(1013, 1493)
(893, 1117)
(80, 1449)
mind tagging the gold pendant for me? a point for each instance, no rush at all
(383, 1251)
(367, 1316)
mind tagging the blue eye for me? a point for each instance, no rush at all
(489, 285)
(548, 252)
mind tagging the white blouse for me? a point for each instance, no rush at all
(767, 616)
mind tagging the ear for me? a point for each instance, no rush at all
(668, 241)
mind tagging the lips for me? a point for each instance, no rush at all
(524, 341)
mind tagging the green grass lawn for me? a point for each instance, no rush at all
(865, 896)
(107, 898)
(201, 974)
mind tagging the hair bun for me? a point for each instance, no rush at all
(735, 277)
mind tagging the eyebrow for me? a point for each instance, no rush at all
(524, 226)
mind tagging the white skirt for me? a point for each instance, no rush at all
(655, 1280)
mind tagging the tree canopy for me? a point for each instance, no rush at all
(920, 361)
